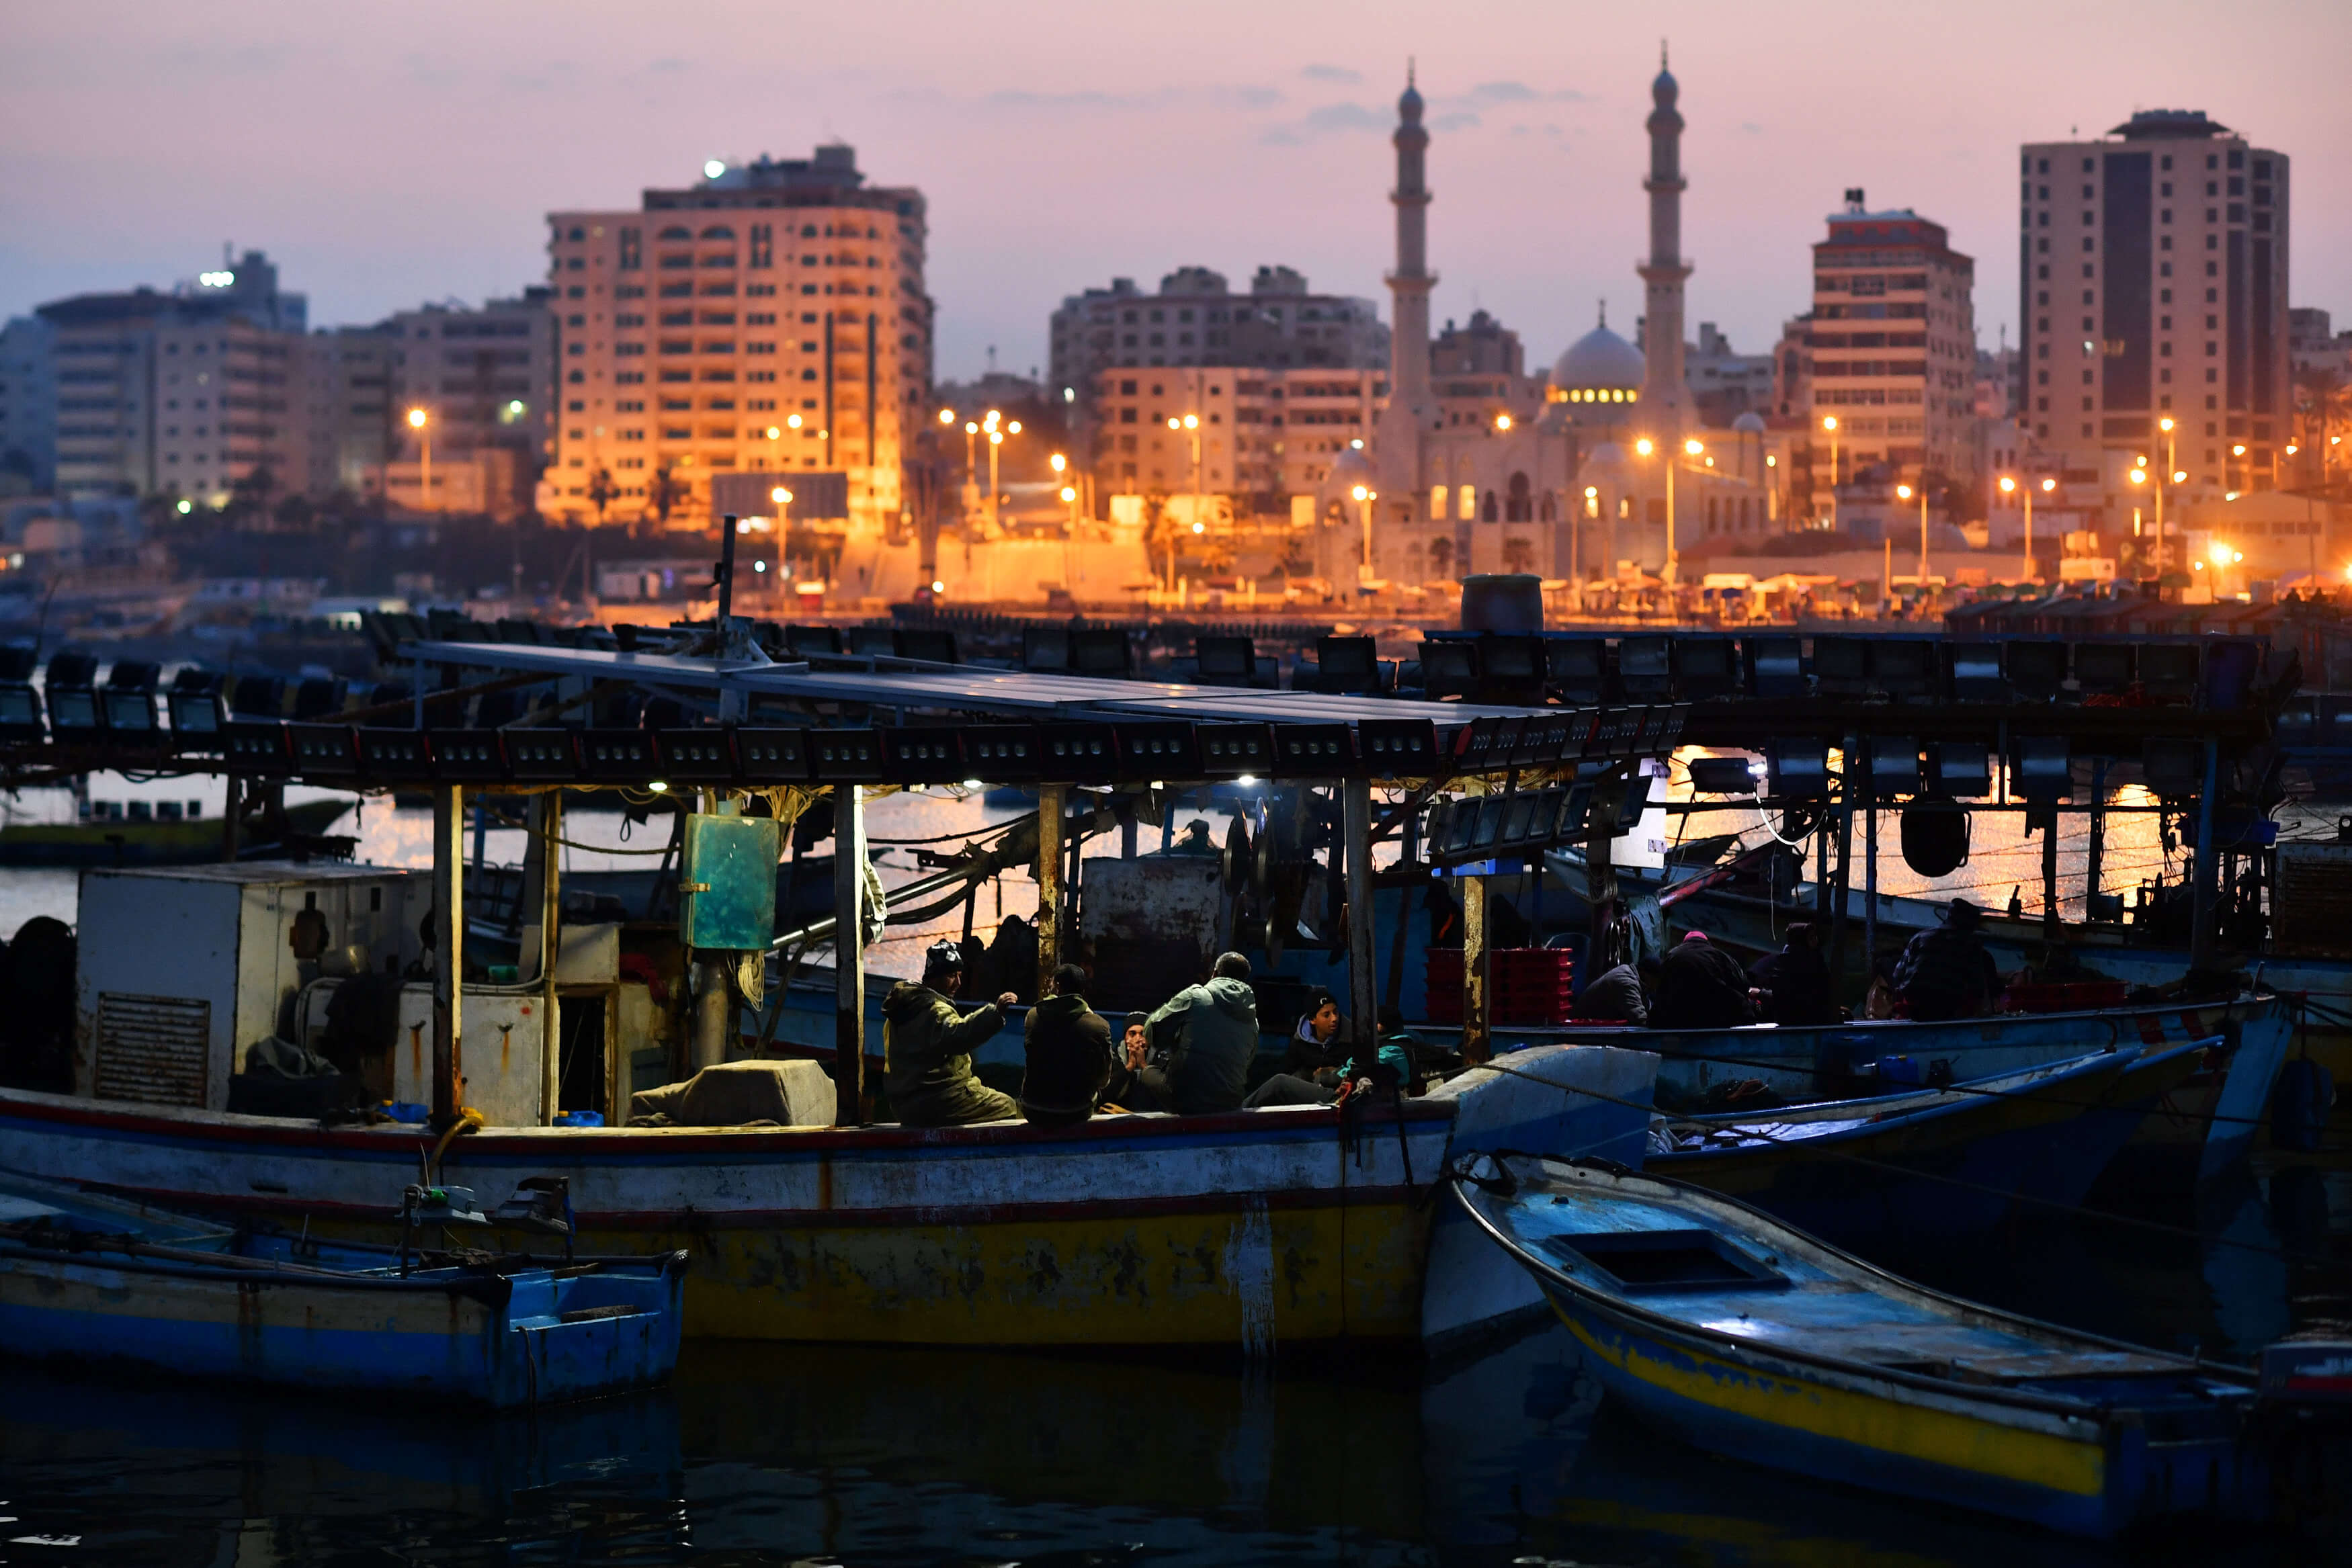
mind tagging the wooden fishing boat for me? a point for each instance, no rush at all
(1752, 1340)
(1245, 1229)
(1933, 1161)
(89, 1279)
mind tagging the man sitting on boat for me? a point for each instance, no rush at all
(1946, 973)
(1203, 1039)
(927, 1045)
(1796, 981)
(1068, 1046)
(1620, 995)
(1700, 986)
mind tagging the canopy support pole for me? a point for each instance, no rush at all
(448, 951)
(1363, 982)
(1052, 803)
(848, 955)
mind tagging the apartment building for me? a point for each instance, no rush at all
(771, 318)
(2152, 269)
(1261, 435)
(1890, 348)
(1197, 320)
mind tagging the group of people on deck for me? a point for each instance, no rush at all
(1191, 1056)
(1944, 973)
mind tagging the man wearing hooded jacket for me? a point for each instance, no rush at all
(927, 1045)
(1206, 1036)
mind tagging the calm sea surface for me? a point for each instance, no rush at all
(883, 1457)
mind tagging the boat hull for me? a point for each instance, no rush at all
(127, 843)
(1246, 1229)
(1965, 1167)
(388, 1337)
(2074, 1477)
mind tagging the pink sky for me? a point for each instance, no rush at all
(388, 155)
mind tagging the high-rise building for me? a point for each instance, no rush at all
(190, 394)
(771, 318)
(484, 379)
(1893, 343)
(28, 406)
(2152, 280)
(1264, 435)
(348, 409)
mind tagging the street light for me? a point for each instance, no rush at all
(783, 500)
(1830, 423)
(421, 422)
(1365, 495)
(1694, 446)
(1906, 492)
(1502, 421)
(2171, 466)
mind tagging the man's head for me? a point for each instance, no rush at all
(1649, 970)
(1802, 935)
(1962, 916)
(1694, 935)
(943, 967)
(1230, 967)
(1136, 1030)
(1069, 980)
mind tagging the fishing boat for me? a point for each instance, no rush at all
(1751, 1339)
(2204, 1125)
(154, 840)
(1941, 1161)
(86, 1277)
(1246, 1228)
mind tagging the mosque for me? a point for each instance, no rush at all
(1578, 492)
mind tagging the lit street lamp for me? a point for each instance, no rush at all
(1693, 446)
(1364, 497)
(783, 500)
(421, 422)
(1830, 423)
(1906, 492)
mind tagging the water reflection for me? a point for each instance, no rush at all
(890, 1457)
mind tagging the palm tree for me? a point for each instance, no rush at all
(664, 492)
(601, 492)
(1441, 554)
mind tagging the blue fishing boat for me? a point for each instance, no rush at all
(88, 1277)
(1752, 1340)
(1944, 1160)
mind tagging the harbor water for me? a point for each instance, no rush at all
(880, 1458)
(775, 1454)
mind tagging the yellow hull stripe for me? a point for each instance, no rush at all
(1227, 1279)
(1942, 1438)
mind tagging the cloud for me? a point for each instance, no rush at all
(1331, 118)
(1243, 96)
(1460, 120)
(1339, 74)
(1488, 94)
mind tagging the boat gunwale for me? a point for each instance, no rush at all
(2119, 1060)
(1632, 1316)
(494, 1290)
(212, 1126)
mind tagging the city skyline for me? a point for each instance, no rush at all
(399, 156)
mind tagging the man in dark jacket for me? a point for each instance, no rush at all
(1946, 973)
(1208, 1034)
(1795, 980)
(1700, 986)
(1615, 996)
(1069, 1054)
(927, 1045)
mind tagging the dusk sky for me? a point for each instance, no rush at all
(386, 154)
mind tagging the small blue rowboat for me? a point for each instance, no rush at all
(92, 1278)
(1938, 1161)
(1751, 1340)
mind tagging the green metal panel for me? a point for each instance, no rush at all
(727, 884)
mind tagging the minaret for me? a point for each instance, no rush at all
(1665, 393)
(1410, 283)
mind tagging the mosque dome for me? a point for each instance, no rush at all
(1350, 469)
(1600, 367)
(1605, 464)
(1748, 424)
(1409, 104)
